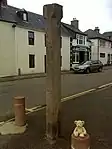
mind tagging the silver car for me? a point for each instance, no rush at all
(89, 66)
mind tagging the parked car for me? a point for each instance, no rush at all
(89, 66)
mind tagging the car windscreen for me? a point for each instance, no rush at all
(86, 63)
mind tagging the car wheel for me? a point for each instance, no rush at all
(87, 70)
(100, 69)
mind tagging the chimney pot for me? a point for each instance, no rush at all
(3, 2)
(75, 23)
(97, 29)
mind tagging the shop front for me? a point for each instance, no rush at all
(79, 55)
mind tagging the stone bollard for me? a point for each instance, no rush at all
(19, 110)
(79, 138)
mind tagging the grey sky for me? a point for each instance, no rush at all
(90, 13)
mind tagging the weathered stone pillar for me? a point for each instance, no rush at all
(53, 14)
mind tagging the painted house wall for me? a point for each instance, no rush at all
(107, 50)
(15, 50)
(23, 50)
(7, 50)
(65, 52)
(38, 49)
(94, 49)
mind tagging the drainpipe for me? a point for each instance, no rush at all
(98, 49)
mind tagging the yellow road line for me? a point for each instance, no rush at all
(39, 107)
(77, 95)
(105, 85)
(32, 109)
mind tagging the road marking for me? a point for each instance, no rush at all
(32, 109)
(105, 85)
(77, 95)
(41, 107)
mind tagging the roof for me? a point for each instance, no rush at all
(94, 35)
(70, 27)
(107, 34)
(35, 21)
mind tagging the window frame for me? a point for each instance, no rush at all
(103, 55)
(102, 43)
(75, 57)
(25, 16)
(80, 39)
(31, 38)
(32, 64)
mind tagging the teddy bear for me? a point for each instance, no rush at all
(79, 131)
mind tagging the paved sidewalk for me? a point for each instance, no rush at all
(27, 76)
(94, 108)
(37, 75)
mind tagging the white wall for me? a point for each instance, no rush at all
(107, 50)
(7, 50)
(15, 50)
(94, 49)
(23, 50)
(65, 52)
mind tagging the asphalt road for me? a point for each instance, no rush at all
(93, 108)
(34, 89)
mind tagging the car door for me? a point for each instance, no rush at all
(95, 65)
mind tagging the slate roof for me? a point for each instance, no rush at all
(70, 27)
(35, 21)
(94, 35)
(108, 34)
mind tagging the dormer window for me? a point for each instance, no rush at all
(22, 14)
(25, 16)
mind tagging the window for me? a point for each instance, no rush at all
(95, 62)
(102, 55)
(60, 42)
(109, 44)
(31, 61)
(31, 37)
(102, 43)
(75, 57)
(25, 17)
(61, 61)
(80, 39)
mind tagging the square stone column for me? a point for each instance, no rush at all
(53, 14)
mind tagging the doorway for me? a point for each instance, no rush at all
(81, 56)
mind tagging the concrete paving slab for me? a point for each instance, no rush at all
(10, 128)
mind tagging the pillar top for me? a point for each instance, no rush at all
(53, 11)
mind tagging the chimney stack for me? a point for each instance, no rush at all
(75, 23)
(3, 2)
(97, 29)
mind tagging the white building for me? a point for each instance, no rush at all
(101, 46)
(22, 42)
(80, 46)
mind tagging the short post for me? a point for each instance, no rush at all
(53, 14)
(19, 110)
(80, 139)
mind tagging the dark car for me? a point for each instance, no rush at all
(89, 66)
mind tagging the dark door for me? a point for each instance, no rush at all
(45, 62)
(81, 56)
